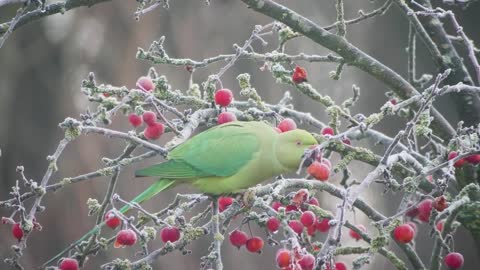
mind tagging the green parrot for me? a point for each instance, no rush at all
(225, 159)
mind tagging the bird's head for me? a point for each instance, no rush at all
(291, 146)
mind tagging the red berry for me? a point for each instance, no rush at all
(354, 234)
(238, 238)
(171, 234)
(323, 225)
(287, 124)
(283, 257)
(299, 75)
(404, 233)
(276, 205)
(473, 159)
(439, 225)
(223, 97)
(346, 141)
(224, 203)
(154, 132)
(273, 224)
(340, 266)
(226, 117)
(413, 225)
(307, 218)
(412, 212)
(135, 120)
(17, 231)
(68, 264)
(313, 201)
(424, 210)
(319, 171)
(311, 230)
(440, 203)
(459, 162)
(296, 226)
(254, 244)
(145, 84)
(393, 101)
(328, 131)
(126, 238)
(111, 220)
(291, 207)
(307, 262)
(454, 260)
(149, 117)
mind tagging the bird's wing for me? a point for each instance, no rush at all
(220, 151)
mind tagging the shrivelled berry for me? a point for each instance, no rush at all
(238, 238)
(454, 260)
(319, 171)
(346, 141)
(440, 203)
(323, 225)
(307, 262)
(126, 238)
(111, 220)
(17, 231)
(296, 226)
(327, 131)
(68, 264)
(459, 162)
(283, 258)
(135, 120)
(224, 203)
(424, 210)
(153, 132)
(287, 124)
(273, 224)
(171, 234)
(439, 225)
(473, 159)
(223, 97)
(355, 235)
(404, 233)
(149, 117)
(145, 83)
(226, 117)
(307, 218)
(254, 244)
(299, 75)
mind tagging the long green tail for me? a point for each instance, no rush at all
(147, 194)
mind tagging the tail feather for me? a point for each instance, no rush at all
(147, 194)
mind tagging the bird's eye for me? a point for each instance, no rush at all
(299, 143)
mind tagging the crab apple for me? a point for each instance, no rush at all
(145, 83)
(287, 124)
(459, 162)
(126, 237)
(404, 233)
(276, 205)
(296, 226)
(323, 225)
(68, 264)
(440, 203)
(355, 235)
(328, 131)
(307, 218)
(111, 220)
(223, 97)
(254, 244)
(307, 262)
(273, 224)
(224, 203)
(439, 225)
(149, 117)
(170, 234)
(473, 159)
(153, 132)
(226, 117)
(299, 75)
(319, 171)
(135, 120)
(454, 260)
(424, 210)
(283, 258)
(238, 238)
(17, 231)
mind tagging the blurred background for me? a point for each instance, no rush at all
(42, 65)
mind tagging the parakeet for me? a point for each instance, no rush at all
(227, 159)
